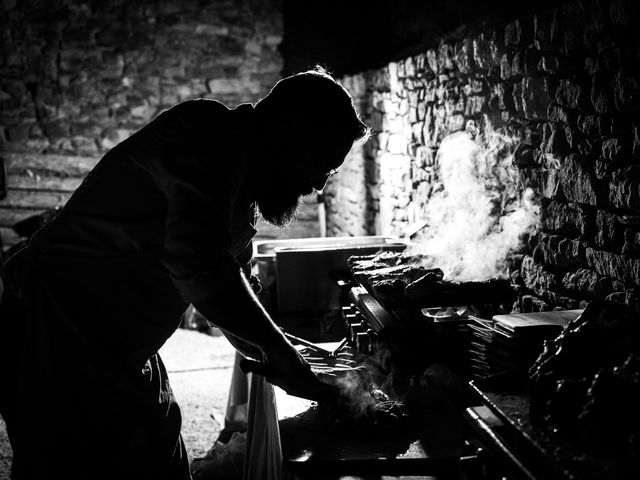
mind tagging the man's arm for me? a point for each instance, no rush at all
(236, 310)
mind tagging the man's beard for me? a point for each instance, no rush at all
(280, 207)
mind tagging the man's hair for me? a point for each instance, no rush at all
(314, 101)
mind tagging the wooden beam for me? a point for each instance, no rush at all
(10, 216)
(66, 165)
(34, 199)
(43, 182)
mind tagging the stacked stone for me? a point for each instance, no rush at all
(77, 77)
(565, 84)
(352, 197)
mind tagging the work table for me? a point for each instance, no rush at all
(313, 444)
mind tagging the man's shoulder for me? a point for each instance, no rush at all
(204, 106)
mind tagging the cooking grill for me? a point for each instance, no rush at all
(390, 309)
(402, 282)
(401, 332)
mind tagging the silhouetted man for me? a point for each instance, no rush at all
(165, 219)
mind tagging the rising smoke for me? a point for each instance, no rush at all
(478, 215)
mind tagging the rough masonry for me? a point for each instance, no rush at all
(79, 76)
(565, 83)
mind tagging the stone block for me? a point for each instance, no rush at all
(616, 151)
(624, 188)
(518, 64)
(56, 129)
(560, 251)
(554, 140)
(85, 146)
(561, 301)
(532, 303)
(413, 98)
(535, 101)
(475, 86)
(532, 133)
(86, 129)
(610, 232)
(596, 24)
(572, 94)
(575, 139)
(545, 30)
(432, 61)
(631, 246)
(624, 13)
(505, 66)
(593, 125)
(225, 85)
(475, 105)
(409, 67)
(620, 126)
(579, 183)
(601, 93)
(603, 169)
(610, 59)
(518, 32)
(456, 104)
(587, 283)
(420, 64)
(18, 133)
(591, 65)
(626, 91)
(614, 265)
(545, 183)
(484, 51)
(445, 57)
(632, 299)
(567, 219)
(112, 136)
(531, 61)
(397, 144)
(523, 156)
(112, 65)
(539, 279)
(573, 19)
(455, 123)
(550, 64)
(559, 114)
(464, 56)
(501, 96)
(588, 147)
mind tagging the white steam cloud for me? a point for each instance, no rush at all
(478, 216)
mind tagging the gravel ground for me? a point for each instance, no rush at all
(199, 369)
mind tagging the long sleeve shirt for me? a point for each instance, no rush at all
(161, 221)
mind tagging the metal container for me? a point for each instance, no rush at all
(301, 275)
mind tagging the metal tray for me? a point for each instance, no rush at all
(505, 394)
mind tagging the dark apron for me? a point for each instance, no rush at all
(82, 394)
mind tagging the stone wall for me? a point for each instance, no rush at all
(564, 85)
(77, 77)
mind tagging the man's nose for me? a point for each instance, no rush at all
(320, 182)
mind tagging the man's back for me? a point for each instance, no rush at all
(110, 245)
(119, 209)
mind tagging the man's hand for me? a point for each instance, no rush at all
(238, 313)
(287, 369)
(292, 372)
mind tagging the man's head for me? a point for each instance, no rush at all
(308, 124)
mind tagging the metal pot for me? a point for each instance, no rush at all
(300, 275)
